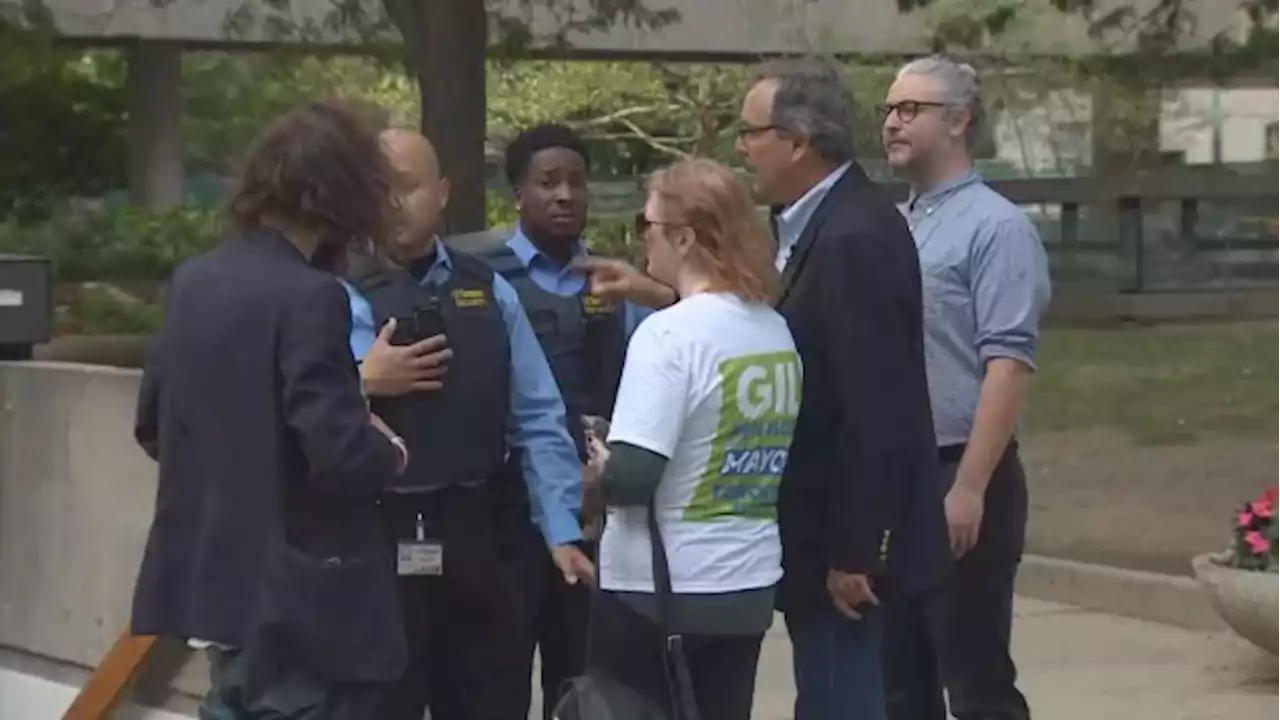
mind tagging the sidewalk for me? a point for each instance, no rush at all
(1076, 665)
(1083, 665)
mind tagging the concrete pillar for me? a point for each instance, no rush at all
(153, 86)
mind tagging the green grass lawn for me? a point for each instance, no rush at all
(1160, 385)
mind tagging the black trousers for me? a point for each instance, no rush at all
(557, 614)
(722, 667)
(977, 668)
(967, 627)
(465, 627)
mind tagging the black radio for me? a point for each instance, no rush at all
(425, 321)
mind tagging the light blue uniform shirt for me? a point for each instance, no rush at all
(986, 284)
(565, 281)
(537, 421)
(792, 220)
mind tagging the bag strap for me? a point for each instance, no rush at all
(680, 681)
(661, 574)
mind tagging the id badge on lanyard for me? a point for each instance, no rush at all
(419, 556)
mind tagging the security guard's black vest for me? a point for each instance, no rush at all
(583, 337)
(456, 435)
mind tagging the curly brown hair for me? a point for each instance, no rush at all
(318, 168)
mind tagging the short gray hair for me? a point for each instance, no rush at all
(812, 101)
(961, 85)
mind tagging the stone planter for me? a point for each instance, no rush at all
(1248, 600)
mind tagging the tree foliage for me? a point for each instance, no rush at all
(62, 126)
(68, 104)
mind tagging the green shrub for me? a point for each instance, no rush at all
(130, 244)
(95, 311)
(119, 244)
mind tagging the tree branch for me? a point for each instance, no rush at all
(653, 142)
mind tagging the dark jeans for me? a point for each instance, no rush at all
(244, 684)
(979, 672)
(465, 627)
(837, 664)
(722, 667)
(558, 617)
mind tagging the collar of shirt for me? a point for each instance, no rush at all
(793, 219)
(441, 269)
(934, 194)
(547, 273)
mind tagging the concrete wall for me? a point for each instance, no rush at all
(76, 497)
(746, 27)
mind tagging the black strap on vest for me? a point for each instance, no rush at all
(366, 271)
(506, 263)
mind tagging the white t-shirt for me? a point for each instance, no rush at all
(713, 384)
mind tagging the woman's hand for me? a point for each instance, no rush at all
(597, 456)
(619, 280)
(592, 494)
(592, 503)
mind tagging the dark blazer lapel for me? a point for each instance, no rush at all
(800, 253)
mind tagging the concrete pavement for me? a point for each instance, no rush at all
(1076, 665)
(1083, 665)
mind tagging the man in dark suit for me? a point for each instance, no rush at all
(859, 508)
(267, 546)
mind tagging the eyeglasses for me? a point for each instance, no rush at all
(746, 131)
(907, 109)
(642, 224)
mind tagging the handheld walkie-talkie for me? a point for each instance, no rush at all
(425, 321)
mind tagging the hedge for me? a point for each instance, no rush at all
(130, 244)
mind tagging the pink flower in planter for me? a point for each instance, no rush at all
(1257, 543)
(1243, 519)
(1261, 508)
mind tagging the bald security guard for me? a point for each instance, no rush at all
(450, 361)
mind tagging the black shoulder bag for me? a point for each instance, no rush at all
(602, 694)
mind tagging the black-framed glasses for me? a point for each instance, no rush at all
(907, 109)
(746, 131)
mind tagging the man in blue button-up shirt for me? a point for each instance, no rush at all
(986, 284)
(465, 663)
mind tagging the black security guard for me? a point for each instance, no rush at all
(426, 310)
(582, 335)
(584, 338)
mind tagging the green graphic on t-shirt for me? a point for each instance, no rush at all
(759, 401)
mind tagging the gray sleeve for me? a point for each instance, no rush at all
(631, 475)
(1009, 280)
